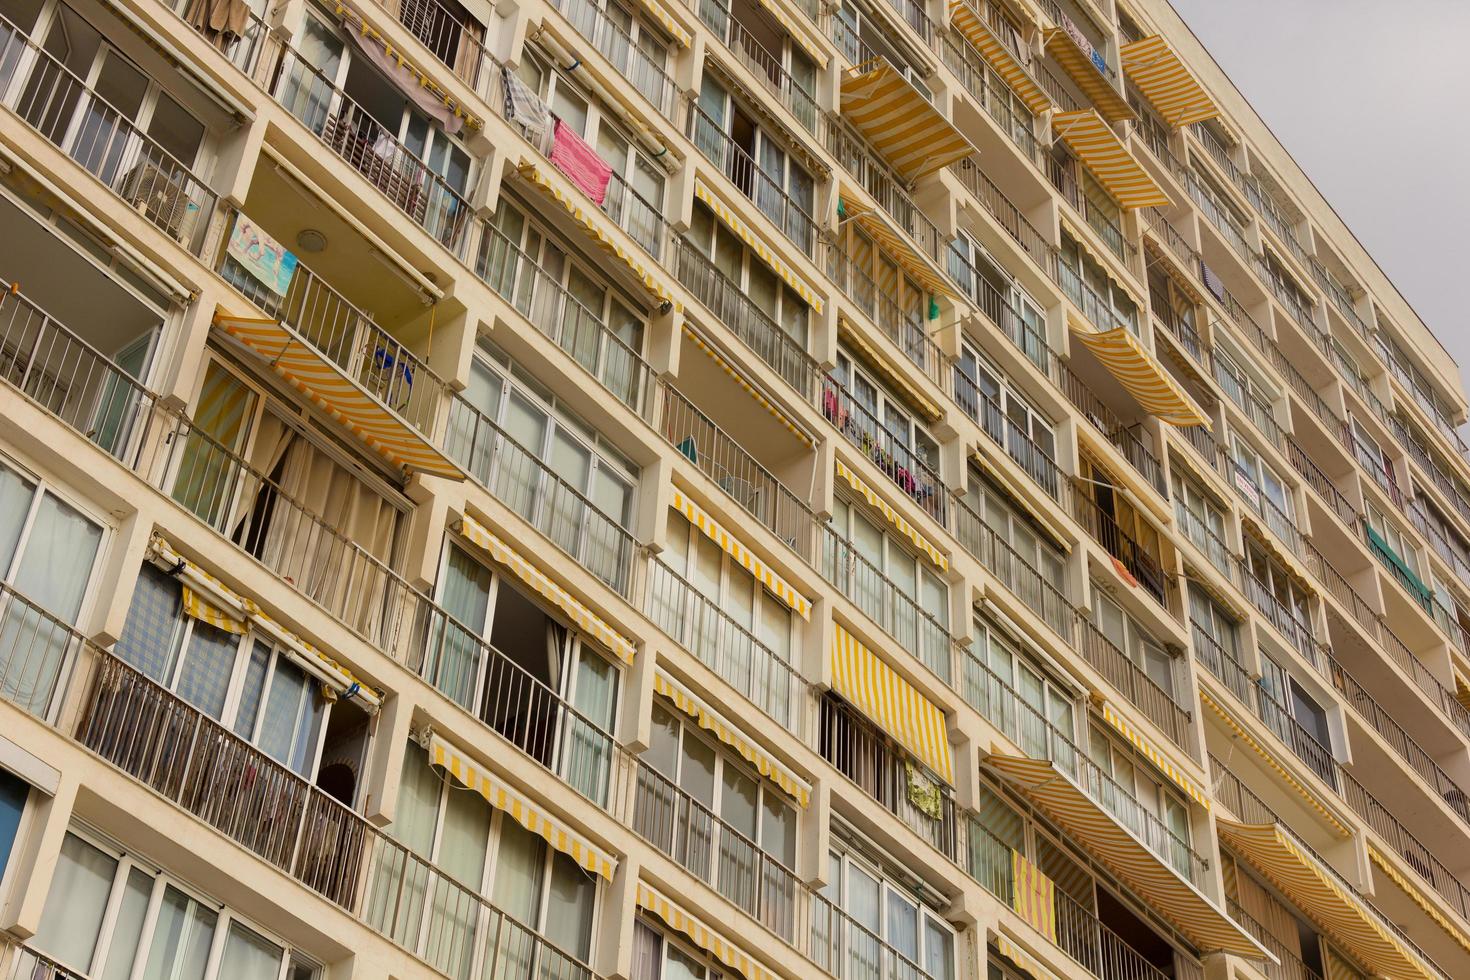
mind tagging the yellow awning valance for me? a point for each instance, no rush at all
(1269, 758)
(1019, 955)
(219, 605)
(1160, 761)
(790, 21)
(1110, 842)
(522, 810)
(1462, 688)
(534, 173)
(746, 386)
(1319, 892)
(1416, 895)
(902, 125)
(892, 703)
(968, 22)
(700, 934)
(1115, 168)
(892, 516)
(747, 235)
(879, 363)
(1161, 76)
(1103, 260)
(1282, 556)
(1078, 64)
(875, 222)
(1146, 380)
(747, 559)
(712, 721)
(338, 394)
(661, 15)
(481, 536)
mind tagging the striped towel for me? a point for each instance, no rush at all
(1035, 896)
(526, 108)
(580, 162)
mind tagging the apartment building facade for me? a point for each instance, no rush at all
(878, 490)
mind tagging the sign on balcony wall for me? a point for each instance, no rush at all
(261, 255)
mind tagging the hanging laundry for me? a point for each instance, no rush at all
(1212, 282)
(525, 108)
(580, 162)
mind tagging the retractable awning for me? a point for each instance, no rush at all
(1146, 380)
(481, 536)
(520, 808)
(748, 235)
(892, 516)
(338, 394)
(1317, 890)
(798, 32)
(891, 702)
(536, 175)
(1077, 63)
(1019, 955)
(661, 15)
(1418, 897)
(701, 935)
(870, 355)
(968, 22)
(1161, 76)
(1206, 925)
(1161, 762)
(747, 559)
(902, 125)
(875, 221)
(1104, 154)
(712, 721)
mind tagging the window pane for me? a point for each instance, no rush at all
(73, 912)
(248, 956)
(180, 943)
(209, 660)
(127, 932)
(58, 558)
(151, 634)
(569, 906)
(519, 865)
(15, 503)
(738, 798)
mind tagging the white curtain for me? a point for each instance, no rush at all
(248, 956)
(454, 907)
(520, 864)
(127, 931)
(179, 949)
(72, 915)
(396, 900)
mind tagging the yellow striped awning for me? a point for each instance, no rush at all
(1317, 891)
(1161, 76)
(891, 702)
(1109, 160)
(902, 125)
(196, 606)
(701, 935)
(1160, 761)
(1269, 758)
(1462, 688)
(854, 338)
(892, 516)
(1094, 85)
(747, 559)
(900, 248)
(746, 386)
(1110, 842)
(798, 33)
(1145, 378)
(532, 171)
(661, 15)
(1018, 955)
(337, 393)
(712, 721)
(481, 536)
(747, 235)
(1416, 894)
(967, 21)
(241, 611)
(522, 810)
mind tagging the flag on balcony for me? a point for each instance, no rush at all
(260, 255)
(580, 162)
(1034, 896)
(525, 108)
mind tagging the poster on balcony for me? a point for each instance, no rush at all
(1247, 488)
(261, 255)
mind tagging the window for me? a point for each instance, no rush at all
(480, 851)
(1173, 306)
(751, 275)
(1154, 809)
(1401, 552)
(884, 409)
(1001, 296)
(256, 688)
(547, 464)
(888, 582)
(1373, 459)
(871, 924)
(527, 674)
(1125, 634)
(883, 289)
(48, 556)
(1120, 526)
(111, 916)
(1008, 418)
(1109, 305)
(1201, 517)
(1021, 697)
(658, 955)
(1266, 492)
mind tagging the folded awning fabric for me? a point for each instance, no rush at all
(524, 811)
(746, 558)
(891, 702)
(903, 126)
(701, 935)
(481, 536)
(1160, 75)
(968, 22)
(338, 394)
(1146, 380)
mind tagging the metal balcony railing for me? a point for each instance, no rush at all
(1006, 433)
(1036, 591)
(1142, 562)
(647, 76)
(763, 64)
(1140, 690)
(845, 949)
(752, 180)
(992, 93)
(898, 462)
(1222, 663)
(908, 329)
(1079, 194)
(454, 40)
(65, 111)
(1125, 438)
(996, 308)
(1204, 537)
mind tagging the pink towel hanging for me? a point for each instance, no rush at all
(580, 162)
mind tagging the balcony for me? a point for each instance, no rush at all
(208, 772)
(1035, 591)
(454, 37)
(884, 185)
(846, 949)
(885, 450)
(1141, 562)
(1025, 337)
(1126, 437)
(729, 24)
(992, 94)
(716, 853)
(906, 329)
(1137, 687)
(65, 111)
(733, 160)
(1293, 624)
(646, 73)
(1007, 434)
(1083, 197)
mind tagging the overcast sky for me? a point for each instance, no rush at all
(1370, 97)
